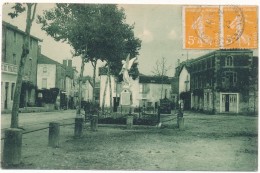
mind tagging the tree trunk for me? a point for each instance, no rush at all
(104, 96)
(78, 114)
(25, 52)
(110, 89)
(94, 64)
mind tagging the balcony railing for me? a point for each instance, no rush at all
(9, 68)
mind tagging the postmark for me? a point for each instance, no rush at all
(239, 27)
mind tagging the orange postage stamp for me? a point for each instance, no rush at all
(201, 27)
(220, 27)
(239, 27)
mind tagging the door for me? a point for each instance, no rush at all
(6, 95)
(227, 103)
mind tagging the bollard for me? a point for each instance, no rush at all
(158, 116)
(129, 121)
(54, 134)
(78, 127)
(180, 122)
(94, 122)
(12, 147)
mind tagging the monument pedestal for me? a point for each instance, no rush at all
(129, 121)
(126, 101)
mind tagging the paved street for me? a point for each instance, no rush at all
(37, 119)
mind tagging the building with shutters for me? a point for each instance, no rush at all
(12, 42)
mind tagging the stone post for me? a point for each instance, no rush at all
(78, 127)
(180, 122)
(12, 150)
(129, 121)
(94, 122)
(54, 134)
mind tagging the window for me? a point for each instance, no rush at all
(44, 69)
(14, 59)
(143, 88)
(229, 61)
(230, 78)
(44, 82)
(14, 37)
(12, 91)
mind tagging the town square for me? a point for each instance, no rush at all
(149, 87)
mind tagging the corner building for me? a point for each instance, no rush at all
(224, 81)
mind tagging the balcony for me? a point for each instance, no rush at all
(9, 68)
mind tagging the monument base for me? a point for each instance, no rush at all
(126, 110)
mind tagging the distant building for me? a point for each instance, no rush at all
(50, 76)
(146, 90)
(12, 42)
(184, 85)
(87, 89)
(71, 84)
(224, 81)
(152, 89)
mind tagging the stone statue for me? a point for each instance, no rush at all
(125, 69)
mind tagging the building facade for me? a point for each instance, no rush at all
(12, 42)
(50, 81)
(184, 86)
(220, 81)
(146, 91)
(87, 89)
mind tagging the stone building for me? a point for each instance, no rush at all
(12, 42)
(220, 82)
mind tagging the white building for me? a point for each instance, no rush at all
(87, 90)
(184, 80)
(146, 90)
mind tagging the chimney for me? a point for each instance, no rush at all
(70, 63)
(178, 63)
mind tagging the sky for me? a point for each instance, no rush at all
(159, 26)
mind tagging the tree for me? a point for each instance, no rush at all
(160, 70)
(31, 10)
(100, 28)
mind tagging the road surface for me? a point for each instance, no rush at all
(29, 121)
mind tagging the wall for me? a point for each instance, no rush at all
(50, 74)
(87, 91)
(60, 77)
(184, 76)
(69, 86)
(12, 42)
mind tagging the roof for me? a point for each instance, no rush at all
(154, 79)
(42, 59)
(13, 27)
(221, 51)
(186, 65)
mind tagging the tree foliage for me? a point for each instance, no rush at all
(101, 28)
